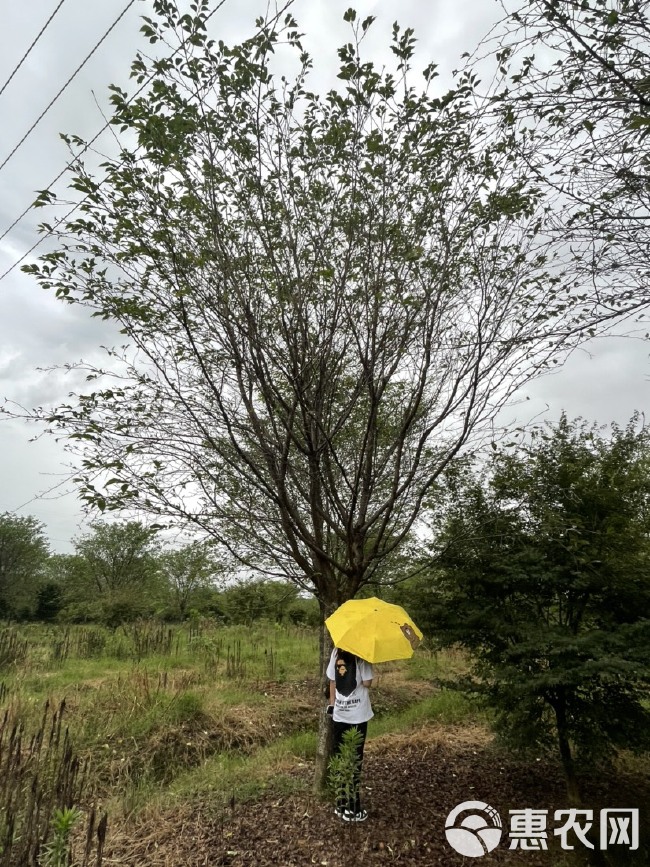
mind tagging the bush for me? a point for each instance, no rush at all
(304, 612)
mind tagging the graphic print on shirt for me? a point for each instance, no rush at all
(346, 673)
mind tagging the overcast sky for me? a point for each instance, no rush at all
(607, 381)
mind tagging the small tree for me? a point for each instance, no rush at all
(344, 769)
(120, 567)
(543, 563)
(187, 571)
(23, 555)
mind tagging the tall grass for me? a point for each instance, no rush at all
(41, 778)
(13, 648)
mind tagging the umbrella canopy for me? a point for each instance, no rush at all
(374, 630)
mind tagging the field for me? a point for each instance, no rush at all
(194, 744)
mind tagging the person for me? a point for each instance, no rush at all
(350, 678)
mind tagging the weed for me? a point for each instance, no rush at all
(235, 667)
(82, 643)
(41, 781)
(344, 768)
(56, 853)
(186, 707)
(150, 638)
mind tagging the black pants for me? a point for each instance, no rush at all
(354, 801)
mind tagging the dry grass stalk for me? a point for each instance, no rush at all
(38, 776)
(13, 648)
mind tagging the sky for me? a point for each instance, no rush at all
(605, 381)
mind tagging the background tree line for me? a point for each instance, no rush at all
(122, 571)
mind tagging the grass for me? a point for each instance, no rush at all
(226, 774)
(245, 777)
(155, 714)
(168, 717)
(447, 707)
(164, 712)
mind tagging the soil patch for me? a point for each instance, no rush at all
(411, 782)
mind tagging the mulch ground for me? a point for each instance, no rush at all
(411, 782)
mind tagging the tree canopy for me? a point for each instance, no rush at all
(117, 556)
(187, 570)
(324, 296)
(574, 89)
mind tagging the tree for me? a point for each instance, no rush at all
(23, 554)
(49, 601)
(120, 567)
(77, 591)
(543, 576)
(574, 88)
(248, 600)
(187, 570)
(324, 297)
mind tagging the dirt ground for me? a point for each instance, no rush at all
(410, 784)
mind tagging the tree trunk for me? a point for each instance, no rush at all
(572, 785)
(325, 732)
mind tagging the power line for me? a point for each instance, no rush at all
(83, 150)
(39, 242)
(58, 177)
(74, 74)
(25, 55)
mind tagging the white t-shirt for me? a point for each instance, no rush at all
(352, 703)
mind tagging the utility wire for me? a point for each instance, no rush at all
(86, 146)
(61, 173)
(40, 241)
(25, 55)
(83, 150)
(74, 74)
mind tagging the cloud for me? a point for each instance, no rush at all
(606, 380)
(35, 481)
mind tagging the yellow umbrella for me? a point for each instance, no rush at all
(375, 630)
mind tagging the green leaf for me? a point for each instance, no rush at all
(639, 122)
